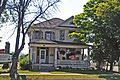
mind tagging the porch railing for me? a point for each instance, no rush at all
(73, 63)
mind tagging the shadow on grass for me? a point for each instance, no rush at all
(110, 76)
(85, 71)
(107, 75)
(4, 71)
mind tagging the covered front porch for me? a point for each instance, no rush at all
(53, 56)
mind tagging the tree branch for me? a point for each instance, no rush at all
(40, 15)
(2, 7)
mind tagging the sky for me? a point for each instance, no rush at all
(66, 9)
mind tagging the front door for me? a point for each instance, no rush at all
(42, 55)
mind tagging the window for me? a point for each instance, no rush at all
(37, 35)
(42, 54)
(62, 35)
(49, 35)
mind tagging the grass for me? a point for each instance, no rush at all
(67, 74)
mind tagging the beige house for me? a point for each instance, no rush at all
(50, 47)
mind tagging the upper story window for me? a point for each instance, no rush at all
(49, 35)
(37, 34)
(62, 35)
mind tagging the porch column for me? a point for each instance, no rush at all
(30, 55)
(55, 60)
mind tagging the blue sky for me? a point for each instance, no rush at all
(67, 8)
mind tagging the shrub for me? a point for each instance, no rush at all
(24, 62)
(5, 66)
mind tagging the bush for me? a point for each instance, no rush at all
(5, 66)
(24, 62)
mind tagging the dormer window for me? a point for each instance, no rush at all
(62, 35)
(37, 34)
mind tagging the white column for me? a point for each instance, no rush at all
(31, 56)
(30, 53)
(39, 59)
(55, 60)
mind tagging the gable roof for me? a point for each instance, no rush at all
(68, 23)
(57, 22)
(52, 23)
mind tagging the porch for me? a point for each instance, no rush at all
(53, 56)
(62, 64)
(59, 58)
(73, 64)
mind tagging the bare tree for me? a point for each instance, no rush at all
(24, 13)
(2, 8)
(2, 5)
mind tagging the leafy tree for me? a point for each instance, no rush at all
(24, 62)
(99, 23)
(24, 13)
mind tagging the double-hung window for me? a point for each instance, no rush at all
(37, 34)
(62, 35)
(49, 35)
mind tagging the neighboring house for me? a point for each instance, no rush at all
(51, 47)
(5, 57)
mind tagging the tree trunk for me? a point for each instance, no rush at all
(13, 70)
(99, 65)
(83, 54)
(106, 66)
(111, 65)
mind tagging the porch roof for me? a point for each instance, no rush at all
(60, 44)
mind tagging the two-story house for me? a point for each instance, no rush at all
(50, 45)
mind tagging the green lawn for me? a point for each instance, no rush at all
(57, 77)
(66, 74)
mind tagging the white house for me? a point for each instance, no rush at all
(51, 47)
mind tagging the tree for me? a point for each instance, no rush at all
(99, 23)
(24, 62)
(2, 8)
(2, 5)
(24, 13)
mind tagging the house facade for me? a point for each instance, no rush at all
(51, 47)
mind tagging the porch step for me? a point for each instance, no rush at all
(46, 68)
